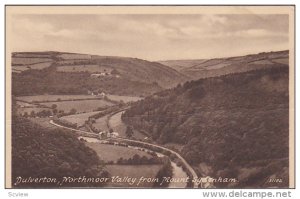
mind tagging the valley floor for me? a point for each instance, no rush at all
(108, 153)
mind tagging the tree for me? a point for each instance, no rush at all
(115, 72)
(73, 111)
(136, 159)
(32, 114)
(165, 171)
(93, 120)
(51, 152)
(120, 160)
(48, 113)
(25, 114)
(54, 111)
(129, 131)
(54, 106)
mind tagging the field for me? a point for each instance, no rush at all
(123, 98)
(147, 171)
(217, 66)
(24, 104)
(30, 55)
(281, 61)
(79, 118)
(45, 98)
(15, 70)
(28, 61)
(19, 69)
(40, 65)
(83, 68)
(108, 152)
(182, 64)
(116, 123)
(74, 56)
(101, 123)
(28, 110)
(80, 106)
(261, 62)
(37, 66)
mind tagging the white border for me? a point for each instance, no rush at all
(130, 193)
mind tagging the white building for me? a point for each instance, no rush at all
(105, 134)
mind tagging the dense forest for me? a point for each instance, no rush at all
(48, 80)
(38, 152)
(229, 122)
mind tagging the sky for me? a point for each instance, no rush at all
(151, 37)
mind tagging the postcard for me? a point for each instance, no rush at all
(150, 97)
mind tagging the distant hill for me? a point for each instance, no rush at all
(180, 65)
(235, 125)
(119, 75)
(202, 68)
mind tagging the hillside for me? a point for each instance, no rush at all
(117, 75)
(235, 125)
(38, 153)
(202, 68)
(180, 65)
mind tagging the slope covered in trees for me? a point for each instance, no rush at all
(39, 153)
(232, 123)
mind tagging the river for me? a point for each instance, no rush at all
(178, 172)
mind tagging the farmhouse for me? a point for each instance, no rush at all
(95, 75)
(101, 74)
(102, 135)
(102, 94)
(106, 134)
(97, 93)
(114, 135)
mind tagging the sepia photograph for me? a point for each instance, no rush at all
(196, 97)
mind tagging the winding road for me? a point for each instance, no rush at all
(88, 134)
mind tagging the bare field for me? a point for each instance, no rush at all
(80, 106)
(117, 124)
(79, 118)
(101, 123)
(74, 56)
(30, 55)
(109, 152)
(37, 66)
(28, 61)
(45, 98)
(24, 104)
(134, 171)
(123, 98)
(40, 66)
(261, 62)
(281, 61)
(19, 68)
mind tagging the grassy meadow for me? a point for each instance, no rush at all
(80, 106)
(109, 152)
